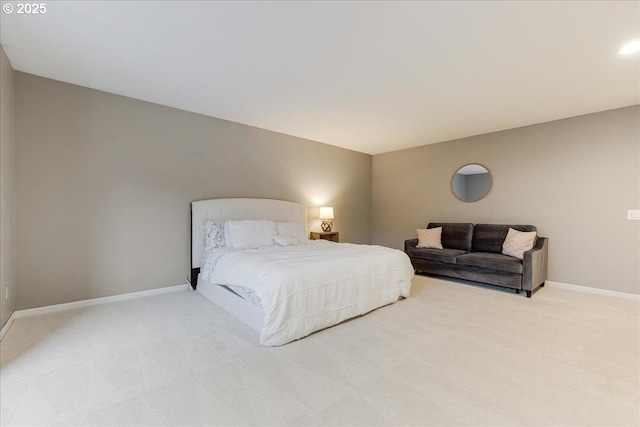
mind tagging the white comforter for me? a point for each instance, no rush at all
(305, 288)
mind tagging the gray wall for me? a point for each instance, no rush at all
(7, 148)
(103, 185)
(574, 179)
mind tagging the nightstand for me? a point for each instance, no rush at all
(333, 236)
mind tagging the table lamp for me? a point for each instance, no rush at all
(326, 215)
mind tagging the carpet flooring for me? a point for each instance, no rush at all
(450, 355)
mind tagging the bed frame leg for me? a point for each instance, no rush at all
(194, 277)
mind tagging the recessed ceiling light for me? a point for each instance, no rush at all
(630, 48)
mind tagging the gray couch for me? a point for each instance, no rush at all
(474, 252)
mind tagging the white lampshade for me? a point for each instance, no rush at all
(326, 212)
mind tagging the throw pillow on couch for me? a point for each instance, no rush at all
(518, 242)
(430, 238)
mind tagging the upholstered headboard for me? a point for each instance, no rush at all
(237, 209)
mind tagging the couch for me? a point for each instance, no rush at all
(474, 252)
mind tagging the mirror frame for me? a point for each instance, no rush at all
(479, 198)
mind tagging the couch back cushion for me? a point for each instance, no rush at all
(490, 237)
(456, 235)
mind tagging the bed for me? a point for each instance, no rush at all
(272, 278)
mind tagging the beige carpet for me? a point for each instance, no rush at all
(451, 354)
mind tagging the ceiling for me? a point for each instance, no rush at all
(368, 76)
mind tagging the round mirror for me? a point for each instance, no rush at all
(471, 182)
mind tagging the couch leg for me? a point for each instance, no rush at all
(517, 291)
(542, 284)
(528, 294)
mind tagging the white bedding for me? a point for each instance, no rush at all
(305, 288)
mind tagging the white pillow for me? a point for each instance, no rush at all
(294, 229)
(285, 240)
(227, 235)
(249, 233)
(429, 238)
(518, 242)
(213, 234)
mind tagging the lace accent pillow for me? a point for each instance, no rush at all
(213, 234)
(430, 238)
(518, 242)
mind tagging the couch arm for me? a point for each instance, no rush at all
(534, 265)
(408, 244)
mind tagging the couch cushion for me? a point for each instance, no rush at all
(439, 255)
(456, 235)
(491, 261)
(490, 237)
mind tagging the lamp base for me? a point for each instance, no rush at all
(326, 225)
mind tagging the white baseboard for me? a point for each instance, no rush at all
(87, 303)
(589, 290)
(7, 325)
(105, 300)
